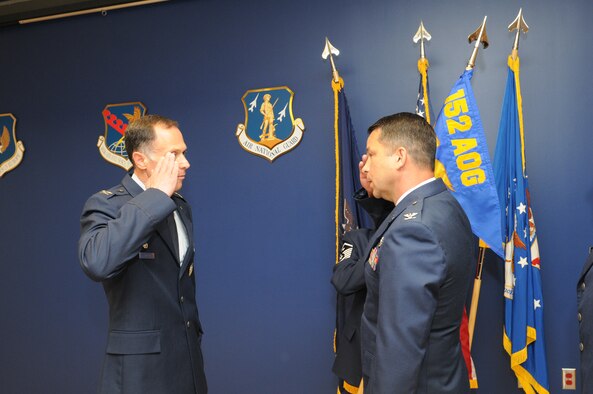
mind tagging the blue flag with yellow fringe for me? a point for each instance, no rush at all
(424, 109)
(463, 161)
(524, 320)
(349, 216)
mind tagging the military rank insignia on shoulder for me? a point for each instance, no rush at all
(346, 251)
(11, 150)
(410, 215)
(270, 129)
(114, 191)
(374, 256)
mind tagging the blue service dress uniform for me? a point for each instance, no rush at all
(348, 280)
(126, 243)
(419, 268)
(585, 318)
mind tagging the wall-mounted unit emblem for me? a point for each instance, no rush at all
(270, 129)
(11, 150)
(111, 145)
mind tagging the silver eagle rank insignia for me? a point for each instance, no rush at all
(410, 215)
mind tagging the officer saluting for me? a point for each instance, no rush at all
(137, 240)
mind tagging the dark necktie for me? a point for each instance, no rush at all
(173, 230)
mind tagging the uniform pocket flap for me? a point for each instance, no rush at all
(134, 342)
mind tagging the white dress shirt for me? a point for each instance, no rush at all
(414, 188)
(181, 230)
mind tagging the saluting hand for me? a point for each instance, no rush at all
(164, 176)
(363, 177)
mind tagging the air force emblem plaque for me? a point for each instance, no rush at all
(270, 129)
(111, 145)
(11, 150)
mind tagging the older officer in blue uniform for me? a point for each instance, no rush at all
(419, 267)
(137, 240)
(585, 318)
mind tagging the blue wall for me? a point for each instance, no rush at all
(265, 231)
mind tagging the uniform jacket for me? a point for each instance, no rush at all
(348, 280)
(419, 267)
(153, 344)
(585, 318)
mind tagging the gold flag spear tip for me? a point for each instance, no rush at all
(421, 35)
(519, 25)
(479, 36)
(328, 51)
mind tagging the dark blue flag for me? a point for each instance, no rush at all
(349, 215)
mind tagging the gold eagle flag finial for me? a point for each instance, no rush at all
(4, 140)
(519, 25)
(328, 51)
(479, 36)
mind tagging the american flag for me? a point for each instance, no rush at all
(423, 107)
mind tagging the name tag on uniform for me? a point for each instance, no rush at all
(147, 255)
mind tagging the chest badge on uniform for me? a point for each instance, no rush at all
(410, 215)
(374, 256)
(191, 270)
(270, 129)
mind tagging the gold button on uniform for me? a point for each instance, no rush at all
(581, 346)
(580, 317)
(145, 246)
(583, 286)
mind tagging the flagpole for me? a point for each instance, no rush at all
(473, 311)
(519, 25)
(337, 85)
(423, 35)
(524, 338)
(328, 51)
(479, 36)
